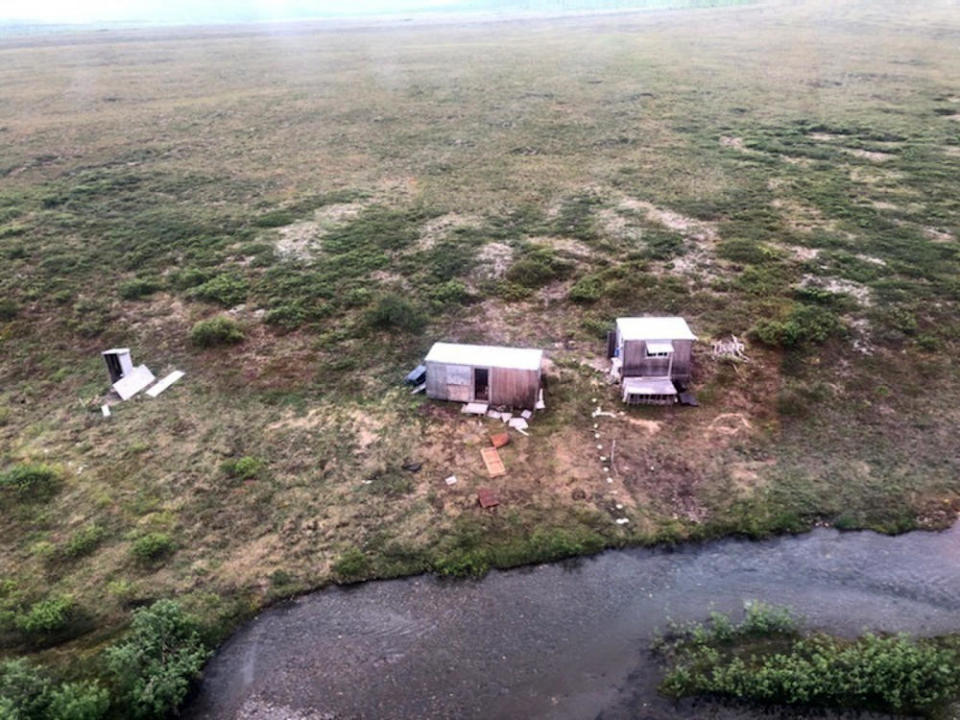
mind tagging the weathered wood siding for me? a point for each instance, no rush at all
(446, 382)
(516, 388)
(637, 364)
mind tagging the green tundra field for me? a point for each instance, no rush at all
(292, 214)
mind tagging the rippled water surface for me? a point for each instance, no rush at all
(566, 640)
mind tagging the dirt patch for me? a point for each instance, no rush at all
(493, 260)
(689, 227)
(737, 144)
(799, 161)
(952, 150)
(873, 176)
(802, 218)
(860, 292)
(296, 241)
(438, 228)
(565, 245)
(799, 252)
(651, 426)
(871, 155)
(937, 236)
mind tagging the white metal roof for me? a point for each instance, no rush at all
(485, 356)
(654, 328)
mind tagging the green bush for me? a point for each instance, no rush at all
(30, 481)
(24, 689)
(47, 617)
(8, 309)
(275, 218)
(243, 468)
(746, 252)
(392, 312)
(226, 289)
(351, 566)
(139, 288)
(219, 330)
(536, 267)
(152, 546)
(805, 324)
(155, 665)
(84, 541)
(662, 245)
(289, 316)
(78, 701)
(888, 674)
(587, 289)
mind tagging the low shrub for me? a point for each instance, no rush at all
(805, 324)
(392, 312)
(275, 218)
(8, 309)
(152, 546)
(288, 316)
(587, 289)
(226, 289)
(31, 481)
(766, 659)
(155, 665)
(242, 468)
(662, 245)
(351, 566)
(78, 701)
(218, 330)
(536, 267)
(84, 541)
(47, 617)
(139, 288)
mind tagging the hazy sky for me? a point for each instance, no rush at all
(70, 11)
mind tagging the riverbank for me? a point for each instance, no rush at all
(567, 640)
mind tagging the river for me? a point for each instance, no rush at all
(565, 640)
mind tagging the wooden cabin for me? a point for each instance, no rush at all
(648, 354)
(484, 374)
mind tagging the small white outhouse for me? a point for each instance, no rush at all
(484, 373)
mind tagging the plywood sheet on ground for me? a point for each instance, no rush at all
(491, 458)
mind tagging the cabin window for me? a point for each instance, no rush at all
(657, 354)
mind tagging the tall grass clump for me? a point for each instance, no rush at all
(30, 481)
(219, 330)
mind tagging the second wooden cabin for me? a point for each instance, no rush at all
(648, 354)
(484, 373)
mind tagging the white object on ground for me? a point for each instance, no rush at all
(522, 432)
(609, 479)
(105, 409)
(619, 506)
(452, 480)
(540, 405)
(137, 380)
(475, 408)
(518, 424)
(526, 414)
(622, 521)
(165, 383)
(506, 417)
(493, 414)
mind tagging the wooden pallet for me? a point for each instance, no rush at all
(491, 458)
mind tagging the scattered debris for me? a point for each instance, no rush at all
(687, 398)
(165, 383)
(452, 480)
(541, 405)
(491, 458)
(475, 408)
(621, 521)
(518, 424)
(487, 498)
(133, 382)
(412, 466)
(730, 350)
(105, 409)
(526, 414)
(418, 389)
(119, 363)
(506, 417)
(417, 376)
(500, 439)
(602, 413)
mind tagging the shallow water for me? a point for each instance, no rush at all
(566, 640)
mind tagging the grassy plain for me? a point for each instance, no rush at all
(785, 172)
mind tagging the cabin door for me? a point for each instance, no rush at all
(481, 384)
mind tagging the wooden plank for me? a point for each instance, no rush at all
(487, 498)
(491, 458)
